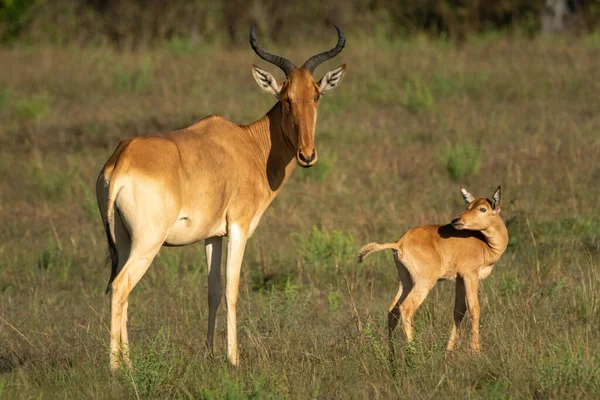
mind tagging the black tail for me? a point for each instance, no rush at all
(112, 256)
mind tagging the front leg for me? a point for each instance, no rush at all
(235, 253)
(213, 248)
(472, 286)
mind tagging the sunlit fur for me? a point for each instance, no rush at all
(212, 179)
(465, 250)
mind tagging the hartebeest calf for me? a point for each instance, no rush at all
(466, 250)
(210, 180)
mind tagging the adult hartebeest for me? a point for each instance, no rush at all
(210, 180)
(466, 250)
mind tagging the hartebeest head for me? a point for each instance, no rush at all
(299, 94)
(479, 213)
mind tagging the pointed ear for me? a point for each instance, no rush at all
(331, 79)
(266, 81)
(496, 199)
(466, 195)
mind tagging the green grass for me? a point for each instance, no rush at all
(136, 79)
(33, 108)
(463, 160)
(5, 95)
(417, 95)
(311, 321)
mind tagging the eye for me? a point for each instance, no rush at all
(483, 209)
(317, 97)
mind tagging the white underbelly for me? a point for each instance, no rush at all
(187, 230)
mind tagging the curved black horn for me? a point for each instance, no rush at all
(286, 65)
(314, 61)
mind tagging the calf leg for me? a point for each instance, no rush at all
(472, 286)
(460, 307)
(410, 305)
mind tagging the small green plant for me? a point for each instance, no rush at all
(510, 285)
(155, 366)
(290, 291)
(456, 83)
(88, 203)
(321, 169)
(33, 108)
(180, 46)
(137, 79)
(555, 288)
(53, 261)
(377, 348)
(325, 249)
(562, 366)
(171, 259)
(5, 95)
(463, 160)
(333, 298)
(417, 95)
(50, 256)
(497, 389)
(53, 184)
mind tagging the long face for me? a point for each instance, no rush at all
(299, 98)
(299, 94)
(480, 213)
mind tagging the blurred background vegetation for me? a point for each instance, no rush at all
(130, 24)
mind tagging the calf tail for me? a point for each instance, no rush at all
(373, 247)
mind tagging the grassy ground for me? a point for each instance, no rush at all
(409, 123)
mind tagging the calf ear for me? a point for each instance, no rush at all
(496, 200)
(266, 81)
(331, 79)
(466, 195)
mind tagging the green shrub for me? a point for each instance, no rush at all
(35, 107)
(561, 367)
(88, 199)
(5, 94)
(333, 298)
(325, 249)
(463, 160)
(155, 366)
(50, 257)
(456, 83)
(136, 79)
(417, 95)
(53, 184)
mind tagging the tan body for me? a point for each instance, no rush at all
(210, 180)
(465, 250)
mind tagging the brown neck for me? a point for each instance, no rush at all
(273, 147)
(497, 238)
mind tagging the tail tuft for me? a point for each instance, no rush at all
(112, 256)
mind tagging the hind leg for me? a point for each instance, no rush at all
(137, 264)
(460, 307)
(213, 258)
(405, 285)
(411, 303)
